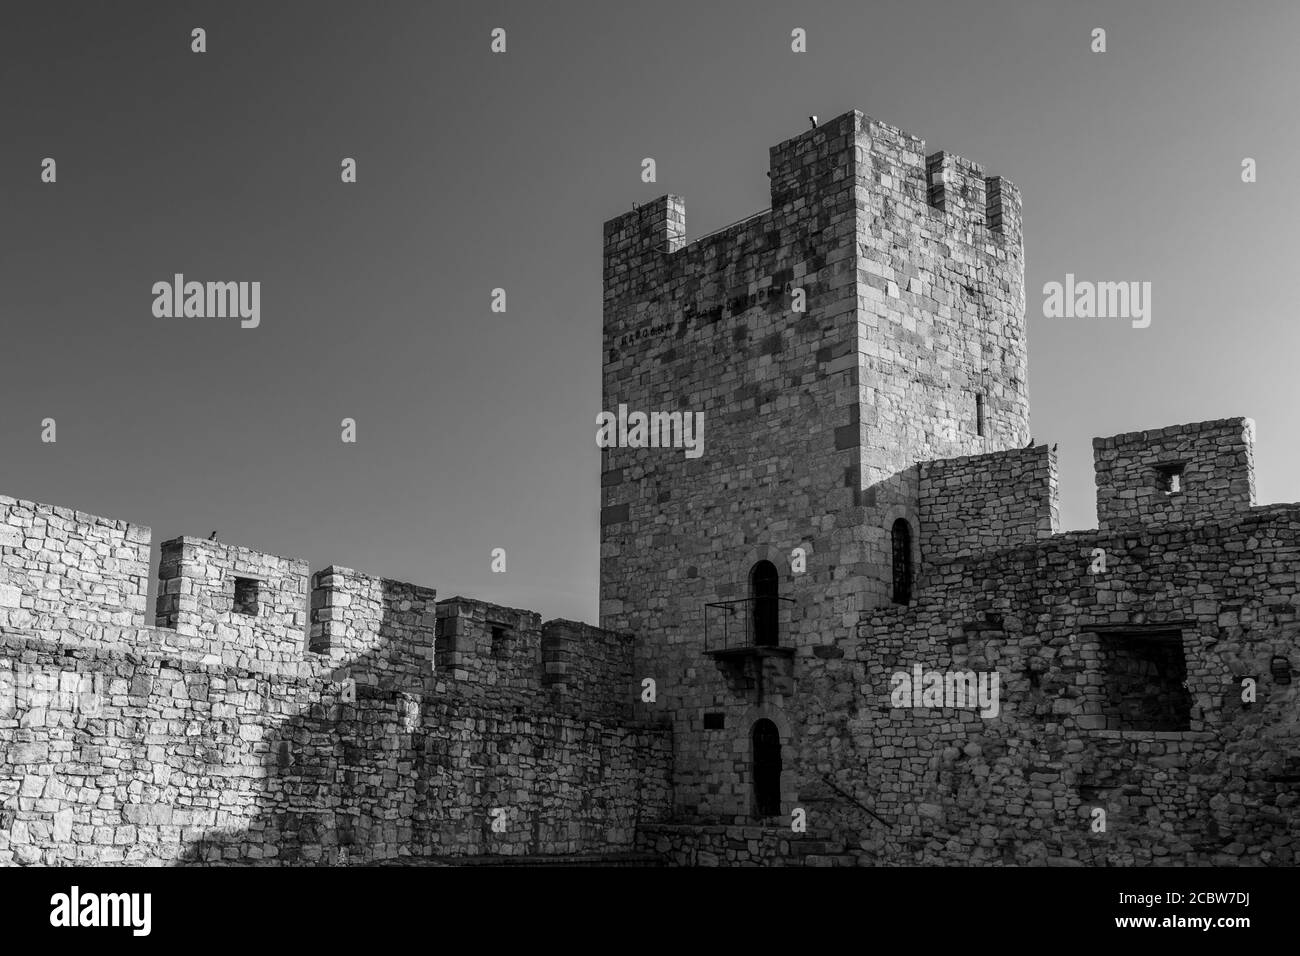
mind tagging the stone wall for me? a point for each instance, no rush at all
(1022, 786)
(590, 664)
(67, 570)
(987, 502)
(1215, 467)
(221, 736)
(813, 421)
(1121, 655)
(493, 648)
(385, 628)
(754, 845)
(145, 758)
(243, 607)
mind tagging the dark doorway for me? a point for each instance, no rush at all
(901, 536)
(764, 586)
(767, 769)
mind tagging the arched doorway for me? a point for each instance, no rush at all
(766, 741)
(764, 588)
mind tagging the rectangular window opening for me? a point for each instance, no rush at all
(715, 720)
(1144, 677)
(979, 413)
(500, 637)
(246, 594)
(1170, 478)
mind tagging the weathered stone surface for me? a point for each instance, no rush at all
(873, 450)
(900, 396)
(218, 736)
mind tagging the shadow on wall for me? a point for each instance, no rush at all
(339, 771)
(383, 759)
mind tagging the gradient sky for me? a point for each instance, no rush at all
(477, 430)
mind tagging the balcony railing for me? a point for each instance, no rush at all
(746, 625)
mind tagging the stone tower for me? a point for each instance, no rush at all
(911, 347)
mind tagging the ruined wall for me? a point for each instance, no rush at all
(813, 421)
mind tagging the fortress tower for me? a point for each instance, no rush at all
(911, 348)
(864, 515)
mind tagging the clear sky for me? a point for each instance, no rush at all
(477, 430)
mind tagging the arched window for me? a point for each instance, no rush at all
(901, 539)
(767, 768)
(764, 588)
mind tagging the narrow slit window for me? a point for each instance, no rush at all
(901, 544)
(766, 769)
(979, 414)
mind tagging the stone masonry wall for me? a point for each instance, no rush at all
(598, 661)
(1021, 786)
(1216, 461)
(940, 327)
(144, 758)
(1120, 653)
(387, 625)
(54, 560)
(813, 421)
(199, 608)
(718, 845)
(222, 737)
(496, 649)
(987, 502)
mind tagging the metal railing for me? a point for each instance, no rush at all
(746, 623)
(730, 225)
(830, 782)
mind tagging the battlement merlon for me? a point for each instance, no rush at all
(69, 570)
(980, 503)
(483, 644)
(864, 152)
(234, 603)
(379, 627)
(82, 579)
(636, 242)
(1198, 471)
(583, 659)
(849, 152)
